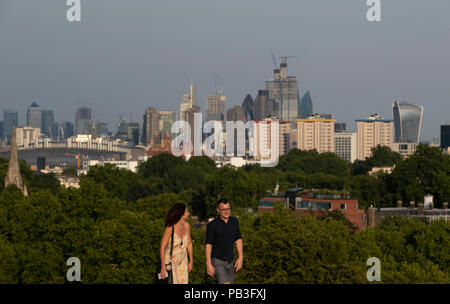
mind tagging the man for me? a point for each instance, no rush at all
(222, 234)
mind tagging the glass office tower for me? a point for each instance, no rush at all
(283, 91)
(445, 136)
(407, 121)
(306, 106)
(10, 120)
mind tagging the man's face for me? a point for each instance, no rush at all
(224, 210)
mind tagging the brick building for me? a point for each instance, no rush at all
(307, 202)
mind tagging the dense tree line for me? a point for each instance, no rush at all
(114, 222)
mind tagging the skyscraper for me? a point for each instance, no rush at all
(150, 126)
(236, 113)
(65, 130)
(133, 132)
(372, 132)
(188, 100)
(283, 90)
(306, 106)
(98, 129)
(10, 120)
(339, 127)
(249, 108)
(1, 130)
(34, 116)
(215, 107)
(128, 132)
(407, 121)
(166, 120)
(83, 119)
(263, 105)
(445, 136)
(189, 117)
(48, 121)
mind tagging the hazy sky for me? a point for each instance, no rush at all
(126, 55)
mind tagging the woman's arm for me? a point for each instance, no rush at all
(189, 248)
(162, 248)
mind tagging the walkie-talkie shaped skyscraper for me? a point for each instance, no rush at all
(407, 121)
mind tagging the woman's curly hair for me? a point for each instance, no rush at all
(175, 213)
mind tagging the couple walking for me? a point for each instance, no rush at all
(222, 234)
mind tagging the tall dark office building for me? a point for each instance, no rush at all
(150, 126)
(445, 136)
(407, 121)
(133, 132)
(48, 123)
(339, 127)
(1, 130)
(83, 120)
(34, 116)
(249, 108)
(283, 91)
(264, 107)
(236, 113)
(10, 120)
(306, 105)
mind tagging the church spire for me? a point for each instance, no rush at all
(13, 177)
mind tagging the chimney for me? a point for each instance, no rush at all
(399, 204)
(420, 209)
(371, 216)
(445, 205)
(411, 204)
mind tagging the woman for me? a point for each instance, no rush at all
(176, 218)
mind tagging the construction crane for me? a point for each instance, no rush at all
(274, 60)
(62, 132)
(218, 87)
(78, 156)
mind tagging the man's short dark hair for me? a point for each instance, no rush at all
(223, 201)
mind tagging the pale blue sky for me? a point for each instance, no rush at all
(126, 55)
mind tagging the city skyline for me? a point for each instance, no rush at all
(121, 66)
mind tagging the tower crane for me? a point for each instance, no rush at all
(78, 156)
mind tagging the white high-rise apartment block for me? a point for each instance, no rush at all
(315, 132)
(261, 140)
(27, 136)
(372, 132)
(346, 145)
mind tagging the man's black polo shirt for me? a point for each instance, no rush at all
(222, 236)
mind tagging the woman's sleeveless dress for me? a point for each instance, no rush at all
(180, 259)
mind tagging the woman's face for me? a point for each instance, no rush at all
(186, 214)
